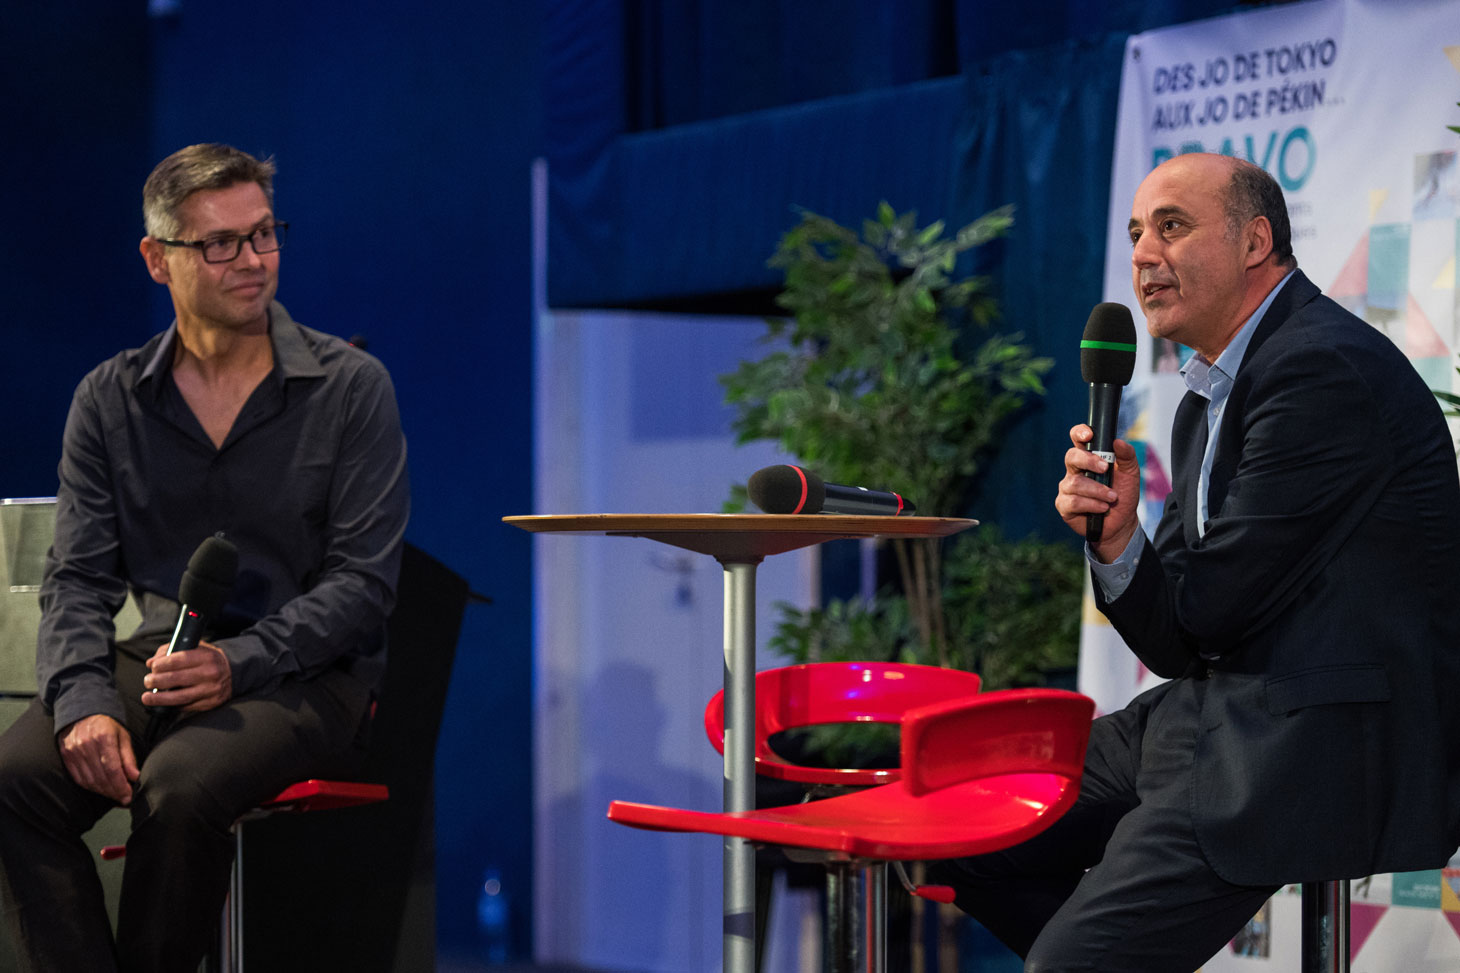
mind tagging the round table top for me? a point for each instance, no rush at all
(741, 537)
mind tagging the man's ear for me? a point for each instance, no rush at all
(1259, 241)
(154, 254)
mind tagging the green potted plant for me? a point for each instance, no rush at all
(886, 372)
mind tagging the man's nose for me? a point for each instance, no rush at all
(1145, 253)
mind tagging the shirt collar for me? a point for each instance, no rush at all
(1212, 380)
(293, 357)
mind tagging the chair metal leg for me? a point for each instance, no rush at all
(844, 941)
(230, 923)
(1325, 927)
(856, 917)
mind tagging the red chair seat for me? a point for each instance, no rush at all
(978, 774)
(322, 795)
(965, 819)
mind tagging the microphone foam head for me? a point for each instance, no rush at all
(208, 581)
(787, 489)
(1108, 346)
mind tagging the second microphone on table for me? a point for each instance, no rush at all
(787, 489)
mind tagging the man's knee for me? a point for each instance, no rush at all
(177, 800)
(1052, 953)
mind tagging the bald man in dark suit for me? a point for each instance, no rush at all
(1301, 592)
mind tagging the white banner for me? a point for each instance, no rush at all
(1346, 103)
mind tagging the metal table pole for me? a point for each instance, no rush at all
(874, 926)
(739, 793)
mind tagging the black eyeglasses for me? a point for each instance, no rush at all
(222, 249)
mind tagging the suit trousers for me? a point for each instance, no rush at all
(199, 773)
(1119, 883)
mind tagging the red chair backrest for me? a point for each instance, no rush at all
(798, 696)
(1013, 731)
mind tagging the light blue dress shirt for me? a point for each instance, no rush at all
(1213, 382)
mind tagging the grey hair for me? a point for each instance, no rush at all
(210, 165)
(1252, 193)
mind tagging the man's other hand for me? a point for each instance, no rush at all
(97, 752)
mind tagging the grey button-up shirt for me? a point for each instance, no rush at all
(310, 485)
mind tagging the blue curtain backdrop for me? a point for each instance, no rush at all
(689, 62)
(1036, 132)
(682, 134)
(688, 215)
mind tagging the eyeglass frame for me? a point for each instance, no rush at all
(238, 240)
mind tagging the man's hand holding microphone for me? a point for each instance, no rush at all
(1100, 493)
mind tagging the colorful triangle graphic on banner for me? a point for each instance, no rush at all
(1446, 279)
(1353, 279)
(1377, 199)
(1420, 338)
(1362, 918)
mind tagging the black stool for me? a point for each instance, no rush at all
(1325, 927)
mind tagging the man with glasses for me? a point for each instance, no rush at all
(236, 421)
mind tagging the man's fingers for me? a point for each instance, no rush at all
(1079, 461)
(108, 772)
(130, 770)
(181, 696)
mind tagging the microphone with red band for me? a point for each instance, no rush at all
(203, 591)
(205, 587)
(787, 489)
(1107, 361)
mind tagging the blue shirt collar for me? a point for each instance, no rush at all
(1213, 380)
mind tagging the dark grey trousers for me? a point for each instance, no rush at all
(199, 772)
(1119, 883)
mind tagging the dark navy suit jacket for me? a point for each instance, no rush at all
(1322, 606)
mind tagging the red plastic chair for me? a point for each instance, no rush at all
(307, 795)
(977, 775)
(794, 697)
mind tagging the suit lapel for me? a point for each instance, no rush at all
(1298, 291)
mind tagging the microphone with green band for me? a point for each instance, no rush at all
(1107, 361)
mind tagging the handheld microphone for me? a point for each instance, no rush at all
(1107, 361)
(787, 489)
(205, 587)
